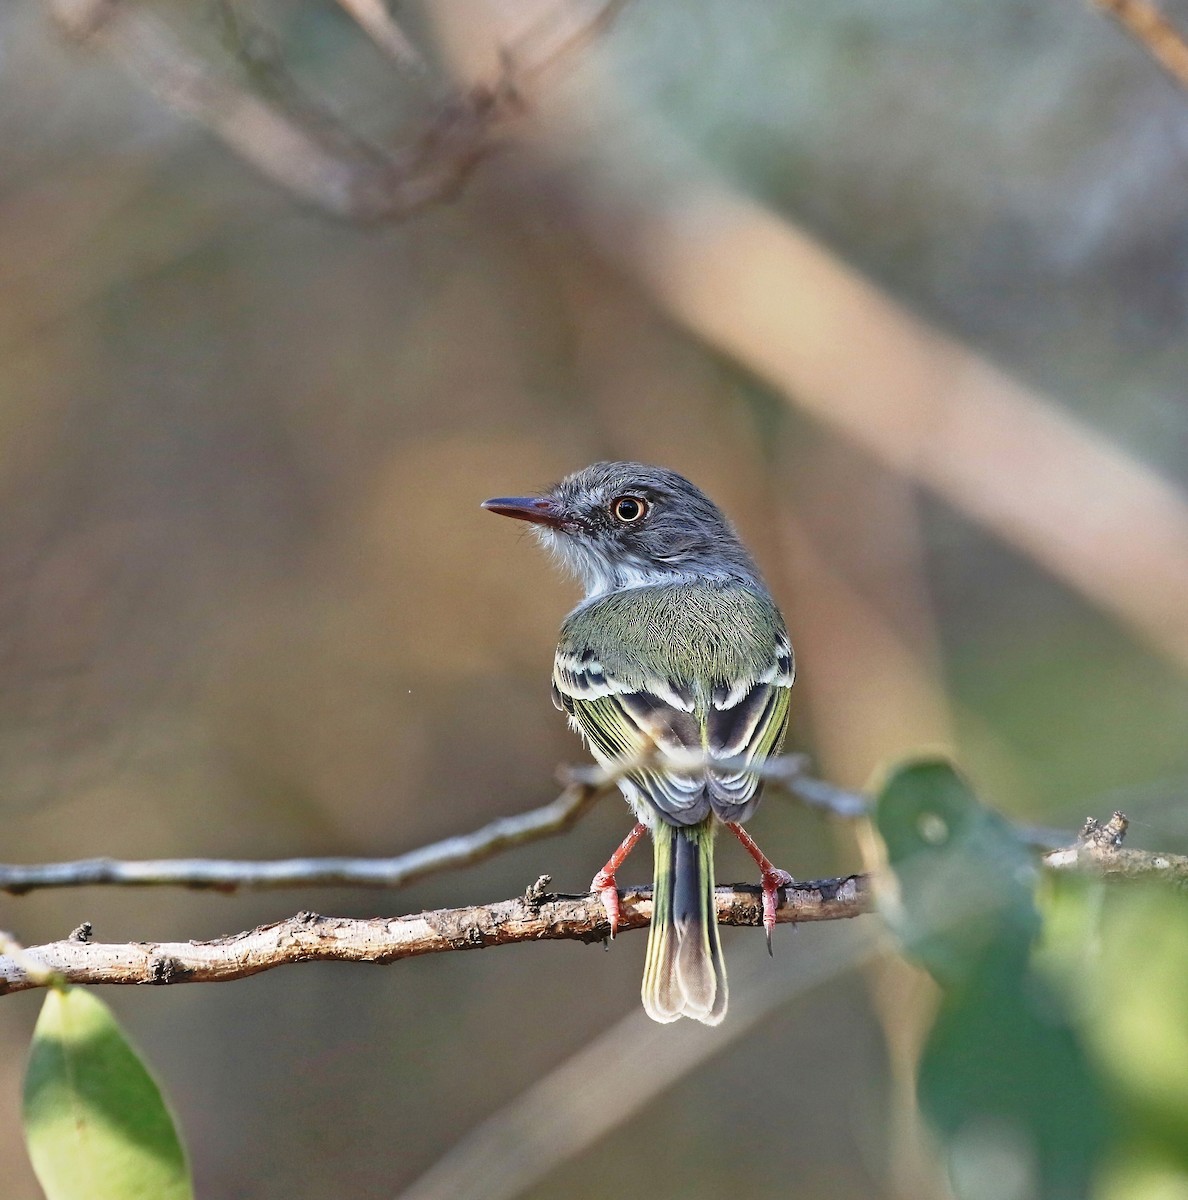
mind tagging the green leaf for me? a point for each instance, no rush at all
(96, 1124)
(1004, 1079)
(964, 875)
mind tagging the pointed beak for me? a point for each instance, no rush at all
(538, 509)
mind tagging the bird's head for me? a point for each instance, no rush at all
(624, 524)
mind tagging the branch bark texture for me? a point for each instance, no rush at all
(308, 937)
(535, 916)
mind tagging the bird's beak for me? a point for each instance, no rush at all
(540, 510)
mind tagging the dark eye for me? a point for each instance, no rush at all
(629, 509)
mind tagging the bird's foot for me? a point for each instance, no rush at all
(771, 878)
(607, 888)
(604, 882)
(771, 881)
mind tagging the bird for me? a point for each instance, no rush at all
(676, 669)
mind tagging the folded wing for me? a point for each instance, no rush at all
(680, 728)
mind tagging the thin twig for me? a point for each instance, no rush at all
(308, 937)
(1153, 31)
(229, 875)
(373, 17)
(1098, 851)
(584, 787)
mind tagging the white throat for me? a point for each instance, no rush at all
(599, 577)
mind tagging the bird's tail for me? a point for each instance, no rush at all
(684, 974)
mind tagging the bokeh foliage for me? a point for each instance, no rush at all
(1057, 1063)
(248, 605)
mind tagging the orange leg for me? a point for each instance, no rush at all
(771, 878)
(604, 882)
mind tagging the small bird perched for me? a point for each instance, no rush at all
(676, 659)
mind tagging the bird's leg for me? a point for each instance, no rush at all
(770, 877)
(604, 882)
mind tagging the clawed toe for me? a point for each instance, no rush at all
(772, 881)
(608, 892)
(604, 882)
(771, 878)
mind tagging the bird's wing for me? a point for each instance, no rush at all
(747, 724)
(630, 702)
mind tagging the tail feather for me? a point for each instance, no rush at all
(684, 975)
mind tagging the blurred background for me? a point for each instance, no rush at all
(902, 287)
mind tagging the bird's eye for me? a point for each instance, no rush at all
(629, 509)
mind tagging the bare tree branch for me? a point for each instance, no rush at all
(1099, 851)
(1120, 864)
(535, 916)
(318, 161)
(308, 937)
(278, 143)
(1153, 31)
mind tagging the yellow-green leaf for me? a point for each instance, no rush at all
(96, 1124)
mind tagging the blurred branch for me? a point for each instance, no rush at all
(584, 787)
(1153, 31)
(1099, 851)
(373, 17)
(317, 160)
(752, 285)
(615, 1078)
(308, 937)
(278, 143)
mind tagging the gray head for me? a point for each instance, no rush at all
(624, 524)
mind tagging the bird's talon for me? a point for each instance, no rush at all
(773, 879)
(608, 893)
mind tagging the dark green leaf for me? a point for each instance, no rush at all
(964, 875)
(1003, 1079)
